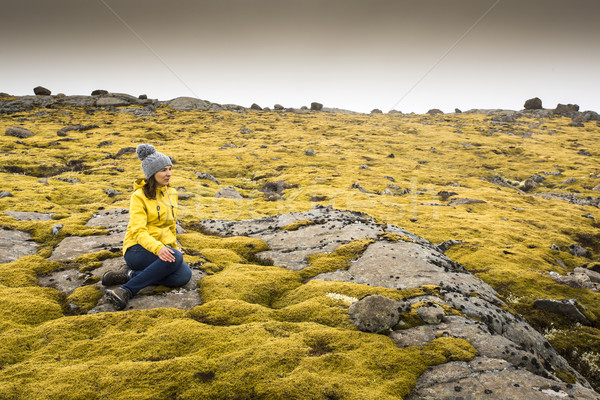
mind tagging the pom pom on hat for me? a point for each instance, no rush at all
(152, 160)
(144, 150)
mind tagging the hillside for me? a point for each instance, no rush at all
(511, 196)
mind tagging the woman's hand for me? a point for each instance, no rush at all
(166, 254)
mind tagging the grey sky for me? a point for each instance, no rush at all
(351, 54)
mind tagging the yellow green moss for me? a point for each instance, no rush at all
(338, 259)
(393, 237)
(297, 225)
(85, 297)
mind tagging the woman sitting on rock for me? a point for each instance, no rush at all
(150, 247)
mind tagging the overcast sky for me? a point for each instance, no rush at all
(409, 55)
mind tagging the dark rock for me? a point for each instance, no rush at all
(566, 109)
(318, 198)
(533, 104)
(18, 132)
(255, 107)
(391, 155)
(376, 111)
(457, 111)
(314, 106)
(596, 188)
(41, 91)
(125, 150)
(5, 193)
(364, 166)
(584, 153)
(309, 152)
(445, 195)
(569, 181)
(78, 128)
(529, 185)
(99, 92)
(460, 202)
(246, 130)
(143, 97)
(394, 112)
(375, 313)
(579, 251)
(69, 180)
(278, 107)
(447, 244)
(434, 111)
(207, 176)
(567, 308)
(357, 185)
(112, 192)
(577, 124)
(555, 247)
(185, 196)
(105, 143)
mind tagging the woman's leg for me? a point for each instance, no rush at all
(148, 269)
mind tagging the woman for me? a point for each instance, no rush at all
(150, 247)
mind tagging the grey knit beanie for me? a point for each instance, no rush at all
(152, 160)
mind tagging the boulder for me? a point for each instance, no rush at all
(565, 109)
(278, 107)
(18, 132)
(5, 193)
(533, 104)
(314, 106)
(99, 92)
(188, 103)
(434, 111)
(228, 192)
(41, 91)
(376, 111)
(255, 107)
(375, 313)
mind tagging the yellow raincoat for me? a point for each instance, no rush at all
(151, 221)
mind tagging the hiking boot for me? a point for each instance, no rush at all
(112, 278)
(118, 298)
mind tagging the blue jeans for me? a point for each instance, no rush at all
(148, 269)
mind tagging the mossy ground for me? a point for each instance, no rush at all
(262, 332)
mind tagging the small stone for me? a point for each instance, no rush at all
(375, 313)
(19, 132)
(143, 97)
(56, 228)
(5, 193)
(431, 315)
(278, 107)
(309, 152)
(99, 92)
(376, 111)
(207, 176)
(112, 193)
(434, 111)
(255, 107)
(555, 247)
(316, 106)
(228, 192)
(364, 166)
(579, 251)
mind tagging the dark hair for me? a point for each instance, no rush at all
(150, 188)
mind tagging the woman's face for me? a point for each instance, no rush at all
(163, 176)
